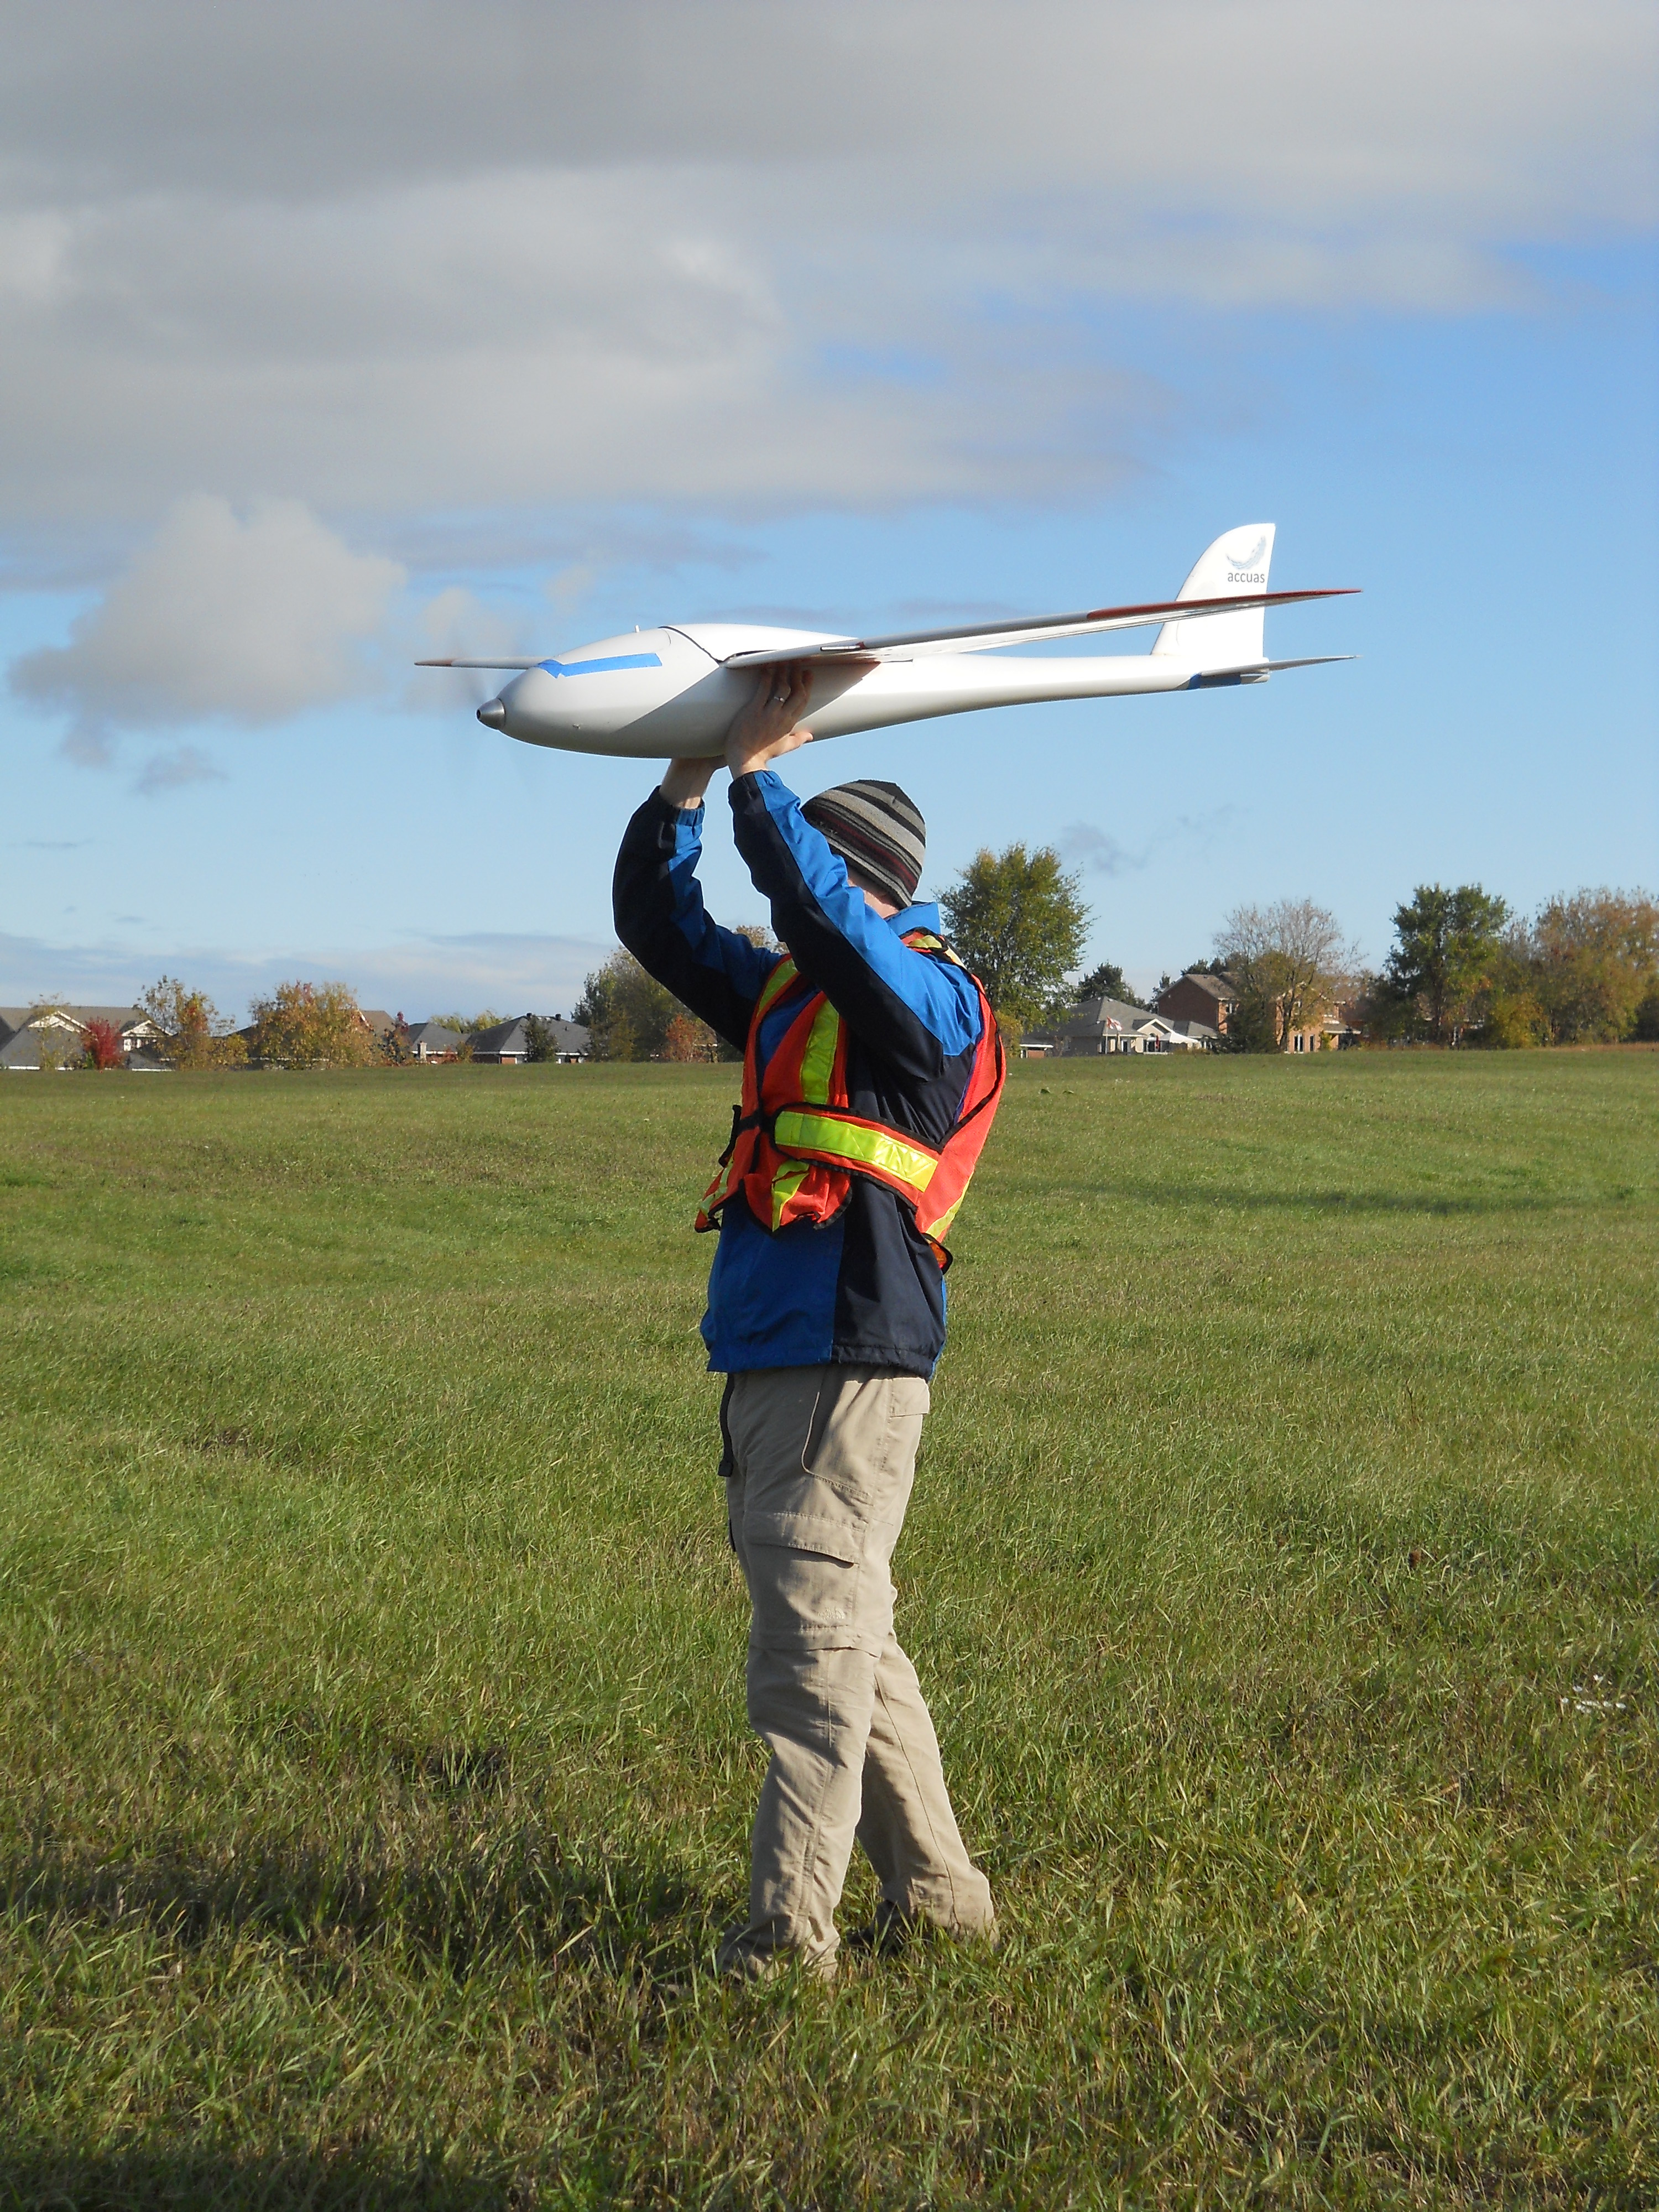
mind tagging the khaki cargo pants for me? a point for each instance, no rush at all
(819, 1465)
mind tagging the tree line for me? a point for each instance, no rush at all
(1464, 969)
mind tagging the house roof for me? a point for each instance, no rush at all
(379, 1020)
(1218, 986)
(570, 1036)
(1095, 1016)
(436, 1034)
(513, 1036)
(22, 1049)
(13, 1018)
(505, 1037)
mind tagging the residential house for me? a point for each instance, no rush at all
(62, 1031)
(1110, 1025)
(432, 1040)
(1198, 996)
(508, 1045)
(1334, 1031)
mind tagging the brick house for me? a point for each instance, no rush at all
(1196, 997)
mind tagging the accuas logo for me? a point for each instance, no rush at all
(1236, 561)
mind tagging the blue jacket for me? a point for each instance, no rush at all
(864, 1288)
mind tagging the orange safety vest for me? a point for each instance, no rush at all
(796, 1144)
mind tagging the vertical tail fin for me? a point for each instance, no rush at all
(1238, 562)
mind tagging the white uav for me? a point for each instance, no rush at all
(670, 693)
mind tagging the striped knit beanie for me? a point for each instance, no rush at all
(877, 831)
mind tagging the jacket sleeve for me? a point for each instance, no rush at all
(916, 1012)
(660, 917)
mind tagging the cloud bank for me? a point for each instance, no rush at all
(753, 254)
(221, 618)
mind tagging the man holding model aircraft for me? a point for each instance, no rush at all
(872, 1073)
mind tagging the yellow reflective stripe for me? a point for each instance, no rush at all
(819, 1060)
(941, 1225)
(791, 1174)
(869, 1148)
(777, 983)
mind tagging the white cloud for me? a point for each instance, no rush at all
(246, 620)
(513, 973)
(738, 255)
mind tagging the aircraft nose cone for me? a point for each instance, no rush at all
(492, 714)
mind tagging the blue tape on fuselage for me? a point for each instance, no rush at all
(600, 667)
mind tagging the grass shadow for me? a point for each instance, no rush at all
(200, 2179)
(515, 1892)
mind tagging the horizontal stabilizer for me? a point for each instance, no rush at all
(981, 637)
(1256, 671)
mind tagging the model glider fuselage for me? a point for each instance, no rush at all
(672, 692)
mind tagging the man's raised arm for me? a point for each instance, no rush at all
(659, 916)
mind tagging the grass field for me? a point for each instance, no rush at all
(1284, 1567)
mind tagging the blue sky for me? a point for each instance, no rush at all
(1441, 387)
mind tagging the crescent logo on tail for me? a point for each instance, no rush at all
(1249, 560)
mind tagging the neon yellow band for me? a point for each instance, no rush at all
(868, 1148)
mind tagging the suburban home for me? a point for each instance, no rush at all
(1108, 1026)
(62, 1031)
(432, 1040)
(1197, 997)
(508, 1045)
(1335, 1031)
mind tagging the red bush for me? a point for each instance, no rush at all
(103, 1046)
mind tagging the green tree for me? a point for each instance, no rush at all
(1595, 957)
(1509, 1014)
(1445, 952)
(198, 1034)
(312, 1025)
(628, 1011)
(1108, 981)
(1289, 963)
(1018, 920)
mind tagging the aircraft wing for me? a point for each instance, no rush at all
(980, 637)
(534, 663)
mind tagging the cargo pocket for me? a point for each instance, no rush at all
(805, 1575)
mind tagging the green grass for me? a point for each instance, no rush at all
(1282, 1568)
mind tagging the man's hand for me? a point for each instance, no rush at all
(760, 732)
(767, 726)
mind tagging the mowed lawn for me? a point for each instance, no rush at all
(1283, 1569)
